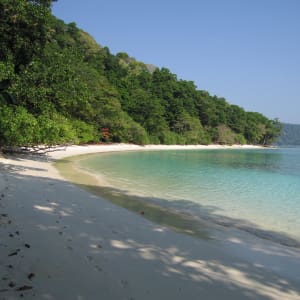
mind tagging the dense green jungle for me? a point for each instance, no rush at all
(58, 86)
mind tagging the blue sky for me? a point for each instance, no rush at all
(247, 51)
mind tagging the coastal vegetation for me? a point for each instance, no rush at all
(57, 85)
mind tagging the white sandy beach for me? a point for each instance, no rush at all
(58, 241)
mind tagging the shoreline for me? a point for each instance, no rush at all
(120, 254)
(183, 221)
(89, 149)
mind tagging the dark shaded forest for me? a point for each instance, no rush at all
(57, 85)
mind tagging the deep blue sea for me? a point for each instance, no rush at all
(258, 188)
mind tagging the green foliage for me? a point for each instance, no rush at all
(236, 118)
(85, 133)
(226, 136)
(6, 71)
(20, 128)
(57, 85)
(169, 138)
(240, 139)
(133, 132)
(120, 125)
(6, 76)
(24, 30)
(147, 111)
(17, 126)
(55, 129)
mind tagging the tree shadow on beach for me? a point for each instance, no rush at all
(130, 256)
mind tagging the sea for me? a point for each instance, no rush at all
(256, 190)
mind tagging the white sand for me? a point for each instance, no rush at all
(60, 242)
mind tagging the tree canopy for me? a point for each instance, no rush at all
(58, 85)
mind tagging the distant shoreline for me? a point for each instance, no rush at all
(87, 149)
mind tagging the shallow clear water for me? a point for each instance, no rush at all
(258, 186)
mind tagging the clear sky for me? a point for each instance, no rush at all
(247, 51)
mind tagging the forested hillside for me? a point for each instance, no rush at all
(57, 85)
(290, 135)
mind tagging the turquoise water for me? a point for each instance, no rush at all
(252, 189)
